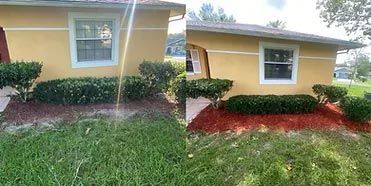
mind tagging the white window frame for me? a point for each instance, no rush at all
(198, 62)
(295, 63)
(115, 18)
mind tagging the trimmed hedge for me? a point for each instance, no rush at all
(85, 90)
(271, 104)
(329, 93)
(21, 76)
(212, 89)
(356, 108)
(178, 88)
(158, 74)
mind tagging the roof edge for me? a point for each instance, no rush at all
(342, 46)
(173, 6)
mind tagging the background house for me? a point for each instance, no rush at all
(261, 60)
(86, 38)
(342, 73)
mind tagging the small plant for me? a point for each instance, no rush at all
(212, 89)
(271, 104)
(21, 76)
(329, 93)
(158, 74)
(178, 88)
(356, 108)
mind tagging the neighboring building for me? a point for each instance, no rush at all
(176, 45)
(261, 60)
(342, 73)
(86, 37)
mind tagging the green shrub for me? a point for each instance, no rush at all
(356, 108)
(134, 88)
(212, 89)
(178, 88)
(85, 90)
(363, 79)
(179, 67)
(329, 93)
(271, 104)
(21, 76)
(158, 74)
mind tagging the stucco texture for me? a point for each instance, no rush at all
(243, 69)
(52, 47)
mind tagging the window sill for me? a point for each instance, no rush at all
(277, 82)
(92, 64)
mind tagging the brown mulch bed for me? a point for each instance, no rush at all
(19, 113)
(325, 117)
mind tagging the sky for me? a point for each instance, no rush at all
(299, 15)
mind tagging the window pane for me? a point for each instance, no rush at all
(94, 50)
(189, 66)
(94, 29)
(278, 55)
(278, 71)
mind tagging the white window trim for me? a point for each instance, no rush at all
(72, 16)
(262, 46)
(199, 61)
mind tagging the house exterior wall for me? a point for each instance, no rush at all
(316, 63)
(30, 38)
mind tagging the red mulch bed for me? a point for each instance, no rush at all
(19, 113)
(324, 117)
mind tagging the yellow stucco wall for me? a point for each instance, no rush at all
(243, 69)
(52, 47)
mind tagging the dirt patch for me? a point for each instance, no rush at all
(32, 112)
(324, 117)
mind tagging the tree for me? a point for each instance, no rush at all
(353, 15)
(207, 13)
(277, 24)
(363, 65)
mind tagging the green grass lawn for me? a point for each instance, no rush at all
(354, 90)
(139, 151)
(268, 158)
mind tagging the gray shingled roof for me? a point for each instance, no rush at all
(262, 31)
(96, 3)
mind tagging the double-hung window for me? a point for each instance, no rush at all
(278, 63)
(94, 39)
(193, 64)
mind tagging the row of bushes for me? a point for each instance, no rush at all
(86, 90)
(155, 78)
(271, 104)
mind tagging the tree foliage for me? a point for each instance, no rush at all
(277, 24)
(207, 13)
(353, 15)
(363, 65)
